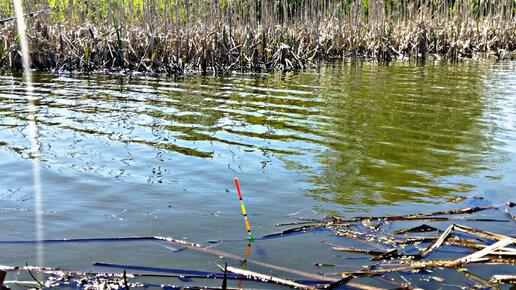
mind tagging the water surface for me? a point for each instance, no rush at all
(136, 156)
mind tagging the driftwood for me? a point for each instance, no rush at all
(496, 252)
(497, 249)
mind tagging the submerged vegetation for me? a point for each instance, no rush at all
(171, 36)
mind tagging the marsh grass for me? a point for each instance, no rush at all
(174, 37)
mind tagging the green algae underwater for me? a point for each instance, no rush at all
(126, 156)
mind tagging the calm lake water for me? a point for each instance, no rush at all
(146, 156)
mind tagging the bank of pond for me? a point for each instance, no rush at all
(175, 37)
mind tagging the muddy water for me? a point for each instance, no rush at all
(143, 156)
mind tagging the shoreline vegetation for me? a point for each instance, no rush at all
(177, 37)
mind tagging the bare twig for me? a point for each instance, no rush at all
(266, 278)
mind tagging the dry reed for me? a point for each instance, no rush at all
(176, 37)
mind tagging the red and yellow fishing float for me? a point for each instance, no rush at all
(243, 210)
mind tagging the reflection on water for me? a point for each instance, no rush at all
(358, 135)
(399, 131)
(32, 127)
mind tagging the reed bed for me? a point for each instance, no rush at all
(176, 37)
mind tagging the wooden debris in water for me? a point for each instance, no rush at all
(416, 229)
(498, 279)
(266, 278)
(395, 260)
(294, 230)
(457, 199)
(395, 253)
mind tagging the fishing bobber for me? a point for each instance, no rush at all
(243, 210)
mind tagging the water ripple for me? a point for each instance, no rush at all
(361, 134)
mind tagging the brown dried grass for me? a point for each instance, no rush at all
(221, 40)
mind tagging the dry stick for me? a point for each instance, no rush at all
(475, 257)
(74, 272)
(456, 241)
(437, 243)
(359, 238)
(341, 282)
(416, 216)
(498, 279)
(33, 277)
(293, 223)
(125, 280)
(420, 228)
(353, 250)
(399, 285)
(414, 266)
(495, 261)
(479, 254)
(412, 239)
(457, 199)
(448, 212)
(54, 271)
(472, 276)
(375, 255)
(225, 279)
(200, 248)
(503, 253)
(480, 233)
(266, 278)
(298, 229)
(503, 241)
